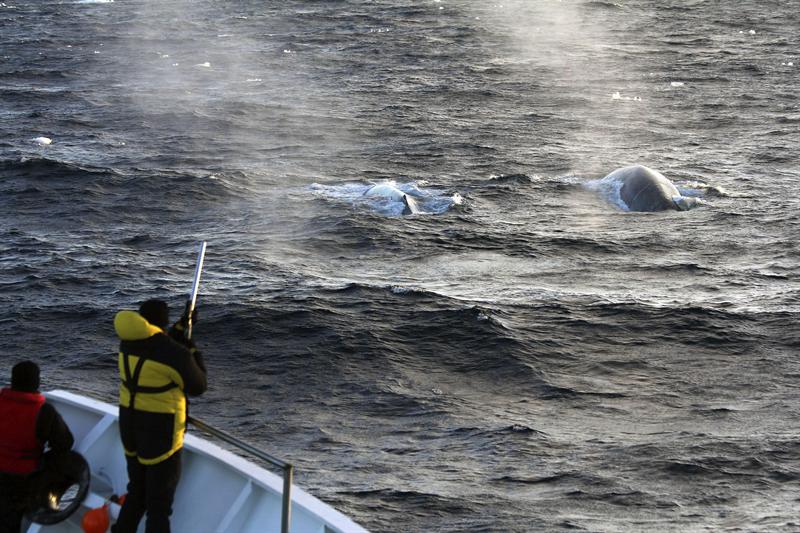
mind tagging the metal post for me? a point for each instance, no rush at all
(286, 513)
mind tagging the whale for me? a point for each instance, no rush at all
(390, 192)
(644, 189)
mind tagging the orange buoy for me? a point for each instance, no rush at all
(95, 520)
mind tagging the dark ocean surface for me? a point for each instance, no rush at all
(523, 355)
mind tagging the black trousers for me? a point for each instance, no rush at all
(151, 490)
(14, 491)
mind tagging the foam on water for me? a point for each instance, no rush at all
(609, 187)
(618, 96)
(701, 188)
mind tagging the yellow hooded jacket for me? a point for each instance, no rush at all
(156, 374)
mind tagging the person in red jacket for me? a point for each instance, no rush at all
(27, 423)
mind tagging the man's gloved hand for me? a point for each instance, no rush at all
(184, 321)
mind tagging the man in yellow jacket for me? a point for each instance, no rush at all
(158, 369)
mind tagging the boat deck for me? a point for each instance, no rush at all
(219, 490)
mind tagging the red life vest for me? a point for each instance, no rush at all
(20, 451)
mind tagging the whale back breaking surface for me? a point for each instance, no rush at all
(385, 190)
(644, 189)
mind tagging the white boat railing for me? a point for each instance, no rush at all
(246, 496)
(288, 469)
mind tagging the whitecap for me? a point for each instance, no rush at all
(43, 141)
(204, 65)
(700, 188)
(617, 96)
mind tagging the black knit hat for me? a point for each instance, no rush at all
(156, 312)
(25, 376)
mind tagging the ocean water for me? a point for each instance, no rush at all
(524, 354)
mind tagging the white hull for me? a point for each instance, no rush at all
(218, 492)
